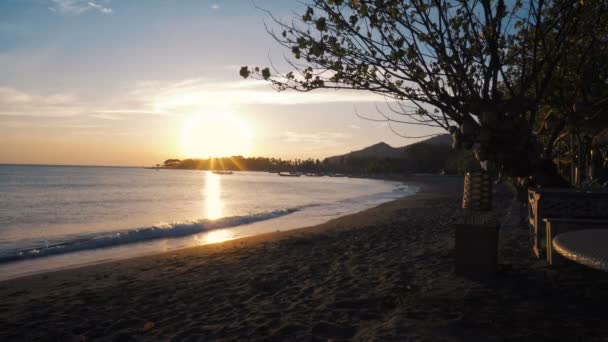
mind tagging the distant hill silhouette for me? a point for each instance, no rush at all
(383, 150)
(431, 155)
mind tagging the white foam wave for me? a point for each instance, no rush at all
(160, 231)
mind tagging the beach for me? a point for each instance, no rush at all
(385, 273)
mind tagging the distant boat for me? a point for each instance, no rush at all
(289, 174)
(221, 172)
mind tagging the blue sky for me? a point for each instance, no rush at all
(113, 82)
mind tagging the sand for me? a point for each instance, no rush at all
(383, 274)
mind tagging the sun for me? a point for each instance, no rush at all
(217, 134)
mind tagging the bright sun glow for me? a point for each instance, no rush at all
(220, 134)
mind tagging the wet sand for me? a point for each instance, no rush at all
(382, 274)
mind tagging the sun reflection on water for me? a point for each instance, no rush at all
(212, 196)
(216, 236)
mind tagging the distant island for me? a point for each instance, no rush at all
(434, 155)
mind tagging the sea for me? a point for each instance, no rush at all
(57, 217)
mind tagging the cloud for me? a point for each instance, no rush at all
(76, 7)
(100, 8)
(19, 103)
(180, 96)
(314, 138)
(68, 6)
(215, 7)
(104, 116)
(123, 111)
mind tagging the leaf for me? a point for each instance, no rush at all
(518, 5)
(296, 52)
(308, 15)
(517, 24)
(321, 24)
(244, 72)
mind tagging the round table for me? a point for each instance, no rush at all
(588, 247)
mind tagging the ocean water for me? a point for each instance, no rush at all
(63, 216)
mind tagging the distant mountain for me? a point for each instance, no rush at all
(439, 140)
(428, 156)
(383, 150)
(379, 150)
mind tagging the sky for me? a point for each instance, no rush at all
(127, 82)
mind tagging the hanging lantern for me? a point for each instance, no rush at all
(477, 194)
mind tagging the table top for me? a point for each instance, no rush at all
(575, 191)
(588, 247)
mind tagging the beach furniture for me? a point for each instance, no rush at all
(477, 194)
(556, 226)
(476, 245)
(587, 247)
(558, 203)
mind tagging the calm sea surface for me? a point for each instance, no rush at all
(61, 216)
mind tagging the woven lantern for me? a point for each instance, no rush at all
(477, 191)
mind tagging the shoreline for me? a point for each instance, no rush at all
(385, 273)
(113, 275)
(38, 265)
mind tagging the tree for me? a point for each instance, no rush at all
(574, 112)
(170, 162)
(483, 70)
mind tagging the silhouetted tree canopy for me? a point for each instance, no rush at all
(169, 162)
(505, 78)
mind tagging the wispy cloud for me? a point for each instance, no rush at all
(200, 92)
(215, 7)
(19, 103)
(100, 8)
(168, 98)
(110, 117)
(78, 7)
(314, 138)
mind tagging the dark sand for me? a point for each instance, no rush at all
(382, 274)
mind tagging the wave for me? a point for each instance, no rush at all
(160, 231)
